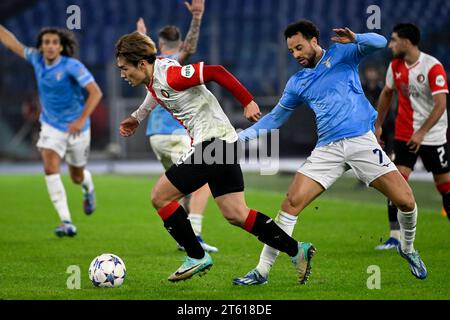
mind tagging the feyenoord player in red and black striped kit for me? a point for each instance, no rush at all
(213, 158)
(421, 125)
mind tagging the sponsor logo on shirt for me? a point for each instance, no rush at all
(398, 75)
(440, 80)
(187, 71)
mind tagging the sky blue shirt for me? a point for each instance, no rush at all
(332, 90)
(160, 121)
(61, 89)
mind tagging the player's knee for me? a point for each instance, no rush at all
(407, 207)
(50, 171)
(156, 199)
(407, 203)
(234, 220)
(77, 179)
(236, 216)
(292, 204)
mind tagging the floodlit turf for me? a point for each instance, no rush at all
(33, 262)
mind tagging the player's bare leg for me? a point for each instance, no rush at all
(57, 192)
(199, 199)
(302, 191)
(394, 227)
(51, 160)
(395, 187)
(442, 182)
(83, 177)
(236, 211)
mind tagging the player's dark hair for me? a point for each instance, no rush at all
(305, 27)
(66, 38)
(408, 31)
(170, 33)
(135, 47)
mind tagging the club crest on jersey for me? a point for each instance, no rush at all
(165, 93)
(440, 80)
(187, 71)
(420, 78)
(58, 76)
(327, 63)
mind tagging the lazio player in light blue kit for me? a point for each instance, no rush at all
(65, 126)
(329, 84)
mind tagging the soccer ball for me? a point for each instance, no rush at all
(107, 270)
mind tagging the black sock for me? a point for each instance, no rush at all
(446, 203)
(394, 225)
(180, 229)
(271, 234)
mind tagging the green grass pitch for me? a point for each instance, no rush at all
(344, 224)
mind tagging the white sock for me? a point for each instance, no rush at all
(196, 222)
(395, 234)
(57, 195)
(87, 184)
(268, 255)
(408, 221)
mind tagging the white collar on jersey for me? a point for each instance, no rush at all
(54, 64)
(415, 63)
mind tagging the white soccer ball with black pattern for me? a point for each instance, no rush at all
(107, 270)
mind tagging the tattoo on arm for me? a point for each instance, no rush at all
(191, 41)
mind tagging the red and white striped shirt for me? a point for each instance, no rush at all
(416, 85)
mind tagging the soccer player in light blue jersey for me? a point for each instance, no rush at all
(329, 84)
(168, 138)
(65, 126)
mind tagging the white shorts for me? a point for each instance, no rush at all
(168, 148)
(74, 149)
(363, 154)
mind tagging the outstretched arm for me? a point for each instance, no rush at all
(275, 119)
(140, 26)
(367, 42)
(11, 42)
(197, 8)
(183, 78)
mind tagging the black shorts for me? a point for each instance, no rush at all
(434, 158)
(215, 162)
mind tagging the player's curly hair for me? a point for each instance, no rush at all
(66, 37)
(134, 47)
(305, 27)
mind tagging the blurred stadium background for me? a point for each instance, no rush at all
(244, 36)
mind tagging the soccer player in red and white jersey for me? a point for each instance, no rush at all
(213, 158)
(167, 137)
(421, 124)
